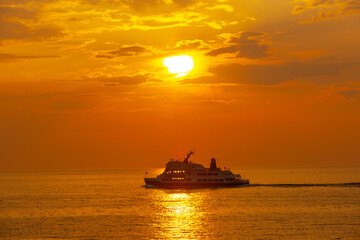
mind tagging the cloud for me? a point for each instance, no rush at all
(128, 51)
(190, 44)
(268, 74)
(144, 6)
(225, 7)
(126, 19)
(249, 45)
(160, 23)
(326, 9)
(350, 93)
(16, 12)
(17, 30)
(169, 19)
(4, 57)
(13, 30)
(219, 51)
(123, 80)
(13, 23)
(124, 51)
(17, 2)
(185, 3)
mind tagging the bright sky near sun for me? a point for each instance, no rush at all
(125, 84)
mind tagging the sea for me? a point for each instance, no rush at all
(279, 203)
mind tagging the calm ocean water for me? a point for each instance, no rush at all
(279, 204)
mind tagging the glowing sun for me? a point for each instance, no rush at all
(181, 65)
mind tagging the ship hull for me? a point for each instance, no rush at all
(155, 183)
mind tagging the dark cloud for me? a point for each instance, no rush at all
(351, 93)
(253, 51)
(125, 51)
(16, 12)
(13, 30)
(123, 80)
(327, 9)
(17, 30)
(128, 51)
(246, 37)
(4, 57)
(248, 44)
(321, 2)
(16, 2)
(12, 27)
(104, 56)
(347, 3)
(269, 74)
(230, 49)
(185, 3)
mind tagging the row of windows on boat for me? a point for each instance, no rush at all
(199, 174)
(199, 180)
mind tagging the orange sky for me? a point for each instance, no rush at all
(275, 83)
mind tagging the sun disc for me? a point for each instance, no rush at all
(181, 64)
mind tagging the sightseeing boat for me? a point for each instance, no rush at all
(186, 174)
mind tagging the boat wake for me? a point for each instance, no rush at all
(352, 184)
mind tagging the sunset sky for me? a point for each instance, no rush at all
(83, 84)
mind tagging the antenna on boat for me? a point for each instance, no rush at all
(188, 156)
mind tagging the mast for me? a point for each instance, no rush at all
(188, 156)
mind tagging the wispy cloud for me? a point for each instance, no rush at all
(5, 57)
(326, 9)
(249, 45)
(124, 51)
(269, 74)
(122, 80)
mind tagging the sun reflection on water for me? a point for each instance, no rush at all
(180, 215)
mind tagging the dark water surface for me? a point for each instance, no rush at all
(296, 203)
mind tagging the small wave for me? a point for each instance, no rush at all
(352, 184)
